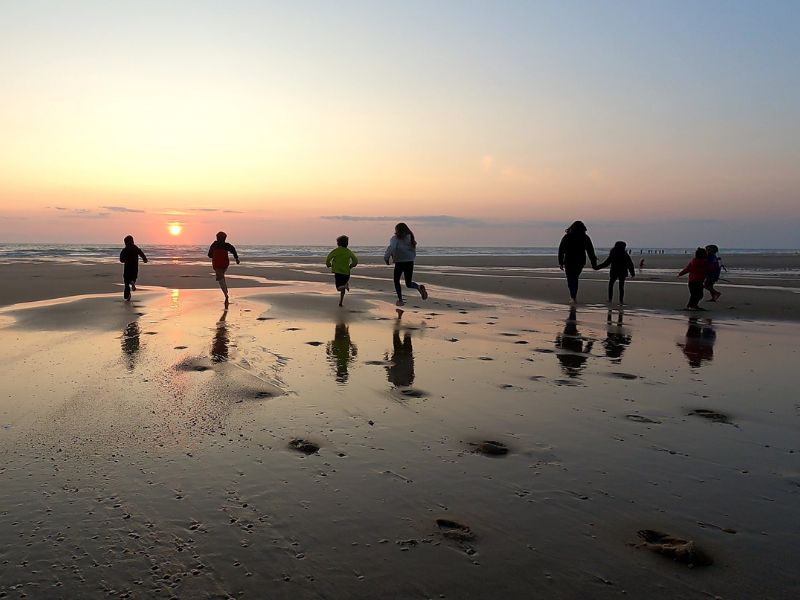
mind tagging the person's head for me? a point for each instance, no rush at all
(402, 231)
(222, 236)
(342, 241)
(576, 227)
(620, 246)
(128, 240)
(700, 253)
(712, 249)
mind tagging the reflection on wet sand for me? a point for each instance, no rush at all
(341, 352)
(617, 337)
(574, 353)
(221, 343)
(130, 344)
(401, 372)
(699, 344)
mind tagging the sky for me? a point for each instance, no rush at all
(669, 123)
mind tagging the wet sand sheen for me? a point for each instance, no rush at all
(193, 452)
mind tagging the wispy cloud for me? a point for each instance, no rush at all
(436, 220)
(122, 209)
(81, 213)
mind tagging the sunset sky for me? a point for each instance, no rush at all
(480, 123)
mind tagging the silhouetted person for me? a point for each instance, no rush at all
(616, 338)
(621, 265)
(402, 250)
(697, 270)
(699, 344)
(130, 272)
(341, 352)
(714, 272)
(401, 372)
(341, 260)
(218, 253)
(572, 252)
(130, 344)
(574, 359)
(221, 343)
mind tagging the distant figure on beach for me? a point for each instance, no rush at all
(341, 260)
(341, 352)
(621, 266)
(641, 265)
(574, 353)
(715, 267)
(402, 250)
(218, 253)
(699, 344)
(400, 372)
(572, 252)
(130, 272)
(697, 270)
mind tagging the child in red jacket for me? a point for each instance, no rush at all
(697, 270)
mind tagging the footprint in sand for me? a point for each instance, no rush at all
(181, 347)
(265, 318)
(262, 395)
(521, 342)
(485, 358)
(641, 419)
(711, 415)
(458, 533)
(304, 446)
(293, 329)
(452, 339)
(412, 393)
(507, 334)
(490, 448)
(462, 322)
(314, 343)
(683, 551)
(544, 350)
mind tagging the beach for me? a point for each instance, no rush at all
(491, 442)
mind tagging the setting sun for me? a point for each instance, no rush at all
(175, 228)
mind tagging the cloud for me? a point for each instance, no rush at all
(81, 213)
(122, 209)
(235, 212)
(436, 220)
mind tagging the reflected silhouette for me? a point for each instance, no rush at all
(617, 338)
(221, 343)
(574, 353)
(130, 344)
(699, 344)
(341, 352)
(401, 372)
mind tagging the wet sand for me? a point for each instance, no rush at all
(476, 446)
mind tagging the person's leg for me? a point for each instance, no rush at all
(223, 285)
(341, 285)
(611, 280)
(127, 293)
(398, 271)
(408, 274)
(572, 281)
(622, 290)
(695, 293)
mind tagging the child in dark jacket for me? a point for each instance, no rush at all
(621, 265)
(697, 270)
(130, 272)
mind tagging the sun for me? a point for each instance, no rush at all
(175, 228)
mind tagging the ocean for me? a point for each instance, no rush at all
(110, 252)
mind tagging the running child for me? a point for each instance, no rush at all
(341, 260)
(621, 265)
(715, 267)
(402, 250)
(130, 272)
(697, 270)
(218, 253)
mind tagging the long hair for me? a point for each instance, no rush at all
(576, 227)
(402, 231)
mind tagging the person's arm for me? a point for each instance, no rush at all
(122, 256)
(590, 251)
(329, 257)
(390, 250)
(144, 258)
(353, 259)
(685, 270)
(211, 251)
(232, 250)
(603, 264)
(562, 250)
(631, 268)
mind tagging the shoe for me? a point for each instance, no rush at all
(347, 286)
(133, 287)
(423, 292)
(399, 303)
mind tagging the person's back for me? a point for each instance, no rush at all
(697, 269)
(401, 249)
(341, 260)
(218, 253)
(574, 247)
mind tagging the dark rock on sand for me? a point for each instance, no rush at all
(304, 446)
(711, 415)
(491, 448)
(680, 550)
